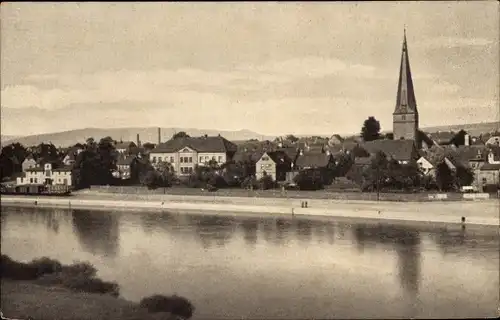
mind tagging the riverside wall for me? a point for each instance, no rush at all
(294, 194)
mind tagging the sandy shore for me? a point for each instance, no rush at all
(476, 212)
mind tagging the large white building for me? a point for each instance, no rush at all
(46, 175)
(185, 153)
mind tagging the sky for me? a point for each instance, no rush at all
(270, 67)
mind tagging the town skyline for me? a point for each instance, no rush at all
(281, 68)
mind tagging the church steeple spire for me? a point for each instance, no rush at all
(405, 101)
(405, 116)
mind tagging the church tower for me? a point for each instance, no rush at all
(405, 116)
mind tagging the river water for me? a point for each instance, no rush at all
(264, 268)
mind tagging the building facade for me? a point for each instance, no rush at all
(184, 154)
(46, 175)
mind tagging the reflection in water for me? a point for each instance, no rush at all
(165, 221)
(458, 239)
(406, 243)
(250, 229)
(304, 230)
(330, 232)
(98, 232)
(283, 229)
(214, 230)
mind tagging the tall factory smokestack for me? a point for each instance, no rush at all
(138, 141)
(159, 135)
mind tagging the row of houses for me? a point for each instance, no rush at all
(276, 159)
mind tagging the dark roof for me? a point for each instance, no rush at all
(400, 150)
(253, 156)
(490, 167)
(199, 144)
(442, 137)
(363, 161)
(125, 145)
(468, 153)
(313, 160)
(291, 152)
(125, 161)
(64, 168)
(36, 169)
(278, 157)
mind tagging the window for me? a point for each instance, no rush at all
(154, 159)
(201, 159)
(403, 117)
(213, 157)
(190, 169)
(171, 159)
(182, 160)
(36, 180)
(220, 159)
(190, 159)
(159, 159)
(265, 158)
(31, 180)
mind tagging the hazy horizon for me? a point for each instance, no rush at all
(271, 68)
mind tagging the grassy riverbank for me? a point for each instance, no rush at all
(46, 289)
(23, 299)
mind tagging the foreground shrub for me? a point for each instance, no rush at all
(176, 305)
(78, 276)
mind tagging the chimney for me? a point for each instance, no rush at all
(159, 135)
(138, 141)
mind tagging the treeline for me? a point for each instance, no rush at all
(385, 174)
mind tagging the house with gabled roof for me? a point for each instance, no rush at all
(46, 174)
(489, 173)
(124, 147)
(28, 163)
(185, 153)
(275, 164)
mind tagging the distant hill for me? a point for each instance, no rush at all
(474, 129)
(8, 138)
(68, 138)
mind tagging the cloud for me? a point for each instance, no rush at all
(179, 86)
(454, 42)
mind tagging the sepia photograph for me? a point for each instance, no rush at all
(250, 160)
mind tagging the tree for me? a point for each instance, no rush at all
(47, 152)
(459, 138)
(266, 182)
(291, 138)
(371, 129)
(444, 177)
(180, 134)
(309, 180)
(377, 174)
(95, 164)
(464, 176)
(148, 146)
(11, 159)
(166, 174)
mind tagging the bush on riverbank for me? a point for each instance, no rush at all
(81, 277)
(176, 305)
(77, 277)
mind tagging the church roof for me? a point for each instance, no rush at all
(405, 101)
